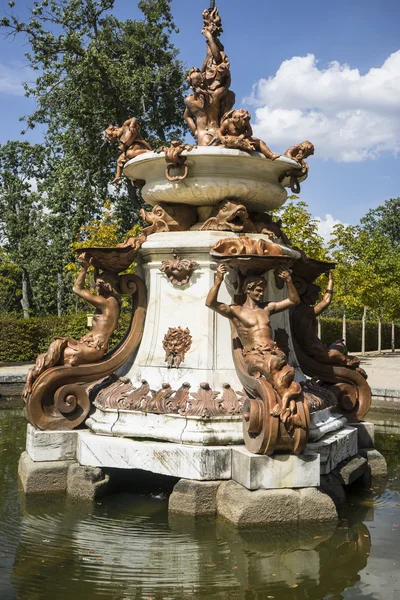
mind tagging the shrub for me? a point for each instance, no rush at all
(23, 339)
(331, 330)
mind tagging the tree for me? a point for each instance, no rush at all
(301, 228)
(10, 283)
(94, 69)
(365, 273)
(386, 220)
(21, 208)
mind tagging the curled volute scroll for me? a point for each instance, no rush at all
(54, 394)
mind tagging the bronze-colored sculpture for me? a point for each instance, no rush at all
(211, 97)
(298, 153)
(176, 343)
(169, 217)
(229, 215)
(131, 143)
(178, 270)
(237, 247)
(236, 132)
(305, 326)
(175, 160)
(252, 321)
(92, 346)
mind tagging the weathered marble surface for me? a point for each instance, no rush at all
(325, 421)
(51, 445)
(210, 356)
(271, 472)
(172, 428)
(335, 447)
(214, 174)
(188, 462)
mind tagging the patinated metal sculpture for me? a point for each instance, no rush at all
(92, 346)
(131, 143)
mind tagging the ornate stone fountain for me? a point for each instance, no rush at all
(209, 383)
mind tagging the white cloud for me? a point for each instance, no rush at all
(12, 76)
(326, 225)
(348, 116)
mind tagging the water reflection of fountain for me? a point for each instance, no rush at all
(128, 547)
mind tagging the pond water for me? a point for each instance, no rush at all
(126, 547)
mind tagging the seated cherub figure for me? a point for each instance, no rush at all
(131, 143)
(300, 152)
(236, 132)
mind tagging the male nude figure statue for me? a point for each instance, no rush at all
(252, 320)
(93, 345)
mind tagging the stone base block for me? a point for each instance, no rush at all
(45, 477)
(366, 434)
(245, 508)
(325, 421)
(377, 466)
(335, 447)
(188, 462)
(350, 470)
(86, 483)
(255, 471)
(51, 445)
(194, 498)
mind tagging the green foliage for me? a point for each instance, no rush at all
(386, 220)
(331, 330)
(301, 228)
(94, 69)
(10, 283)
(24, 339)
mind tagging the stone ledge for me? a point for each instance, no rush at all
(255, 471)
(51, 445)
(183, 461)
(335, 447)
(350, 470)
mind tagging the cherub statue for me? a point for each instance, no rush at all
(305, 326)
(236, 132)
(299, 153)
(211, 97)
(203, 107)
(93, 345)
(132, 144)
(252, 319)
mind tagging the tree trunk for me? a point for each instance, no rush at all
(379, 333)
(319, 327)
(59, 294)
(364, 324)
(25, 294)
(344, 328)
(393, 337)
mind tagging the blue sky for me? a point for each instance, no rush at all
(325, 71)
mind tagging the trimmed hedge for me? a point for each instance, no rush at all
(331, 330)
(21, 340)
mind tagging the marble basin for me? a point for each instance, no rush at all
(215, 174)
